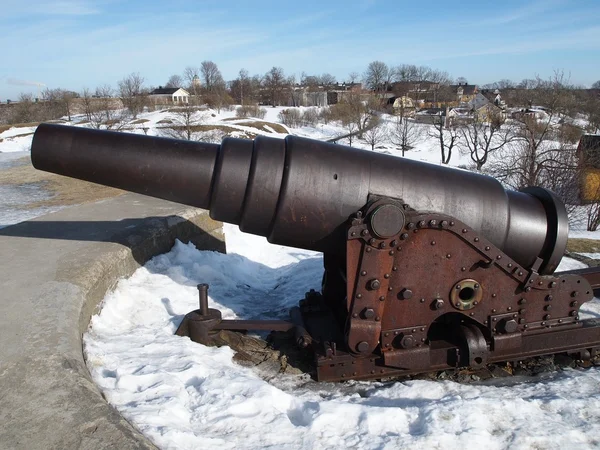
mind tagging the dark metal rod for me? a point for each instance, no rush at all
(203, 298)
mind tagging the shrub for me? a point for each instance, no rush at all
(291, 117)
(250, 111)
(310, 117)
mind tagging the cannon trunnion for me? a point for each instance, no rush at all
(426, 267)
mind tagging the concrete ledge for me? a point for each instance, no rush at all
(54, 272)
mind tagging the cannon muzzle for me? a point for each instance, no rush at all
(301, 192)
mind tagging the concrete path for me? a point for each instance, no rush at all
(54, 271)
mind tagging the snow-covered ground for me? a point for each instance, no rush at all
(184, 395)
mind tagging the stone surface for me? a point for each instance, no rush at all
(54, 272)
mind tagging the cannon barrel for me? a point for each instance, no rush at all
(300, 192)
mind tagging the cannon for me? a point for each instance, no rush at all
(425, 267)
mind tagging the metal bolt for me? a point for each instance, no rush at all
(405, 294)
(421, 224)
(522, 301)
(368, 250)
(358, 295)
(377, 319)
(509, 265)
(404, 236)
(499, 257)
(386, 276)
(363, 272)
(548, 308)
(520, 273)
(382, 245)
(408, 341)
(353, 234)
(487, 247)
(364, 232)
(372, 241)
(410, 226)
(374, 284)
(448, 256)
(392, 252)
(432, 223)
(395, 268)
(528, 289)
(362, 346)
(464, 230)
(390, 289)
(438, 303)
(444, 223)
(476, 239)
(573, 313)
(382, 298)
(547, 316)
(574, 294)
(463, 269)
(458, 287)
(574, 304)
(549, 298)
(393, 243)
(553, 284)
(475, 286)
(509, 326)
(432, 242)
(355, 315)
(451, 223)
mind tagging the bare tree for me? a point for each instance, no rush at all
(353, 77)
(482, 139)
(132, 93)
(61, 99)
(596, 85)
(86, 97)
(405, 132)
(461, 80)
(186, 120)
(175, 81)
(211, 75)
(327, 79)
(106, 112)
(448, 138)
(275, 83)
(377, 76)
(375, 133)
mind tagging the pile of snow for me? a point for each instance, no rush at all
(184, 395)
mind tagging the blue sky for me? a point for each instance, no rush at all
(85, 43)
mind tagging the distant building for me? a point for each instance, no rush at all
(464, 92)
(170, 96)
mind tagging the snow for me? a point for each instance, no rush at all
(184, 395)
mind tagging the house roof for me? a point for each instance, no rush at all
(468, 89)
(478, 101)
(162, 91)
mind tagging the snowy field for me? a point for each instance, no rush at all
(186, 396)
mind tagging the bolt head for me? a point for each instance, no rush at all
(438, 303)
(374, 284)
(405, 294)
(408, 341)
(368, 313)
(362, 347)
